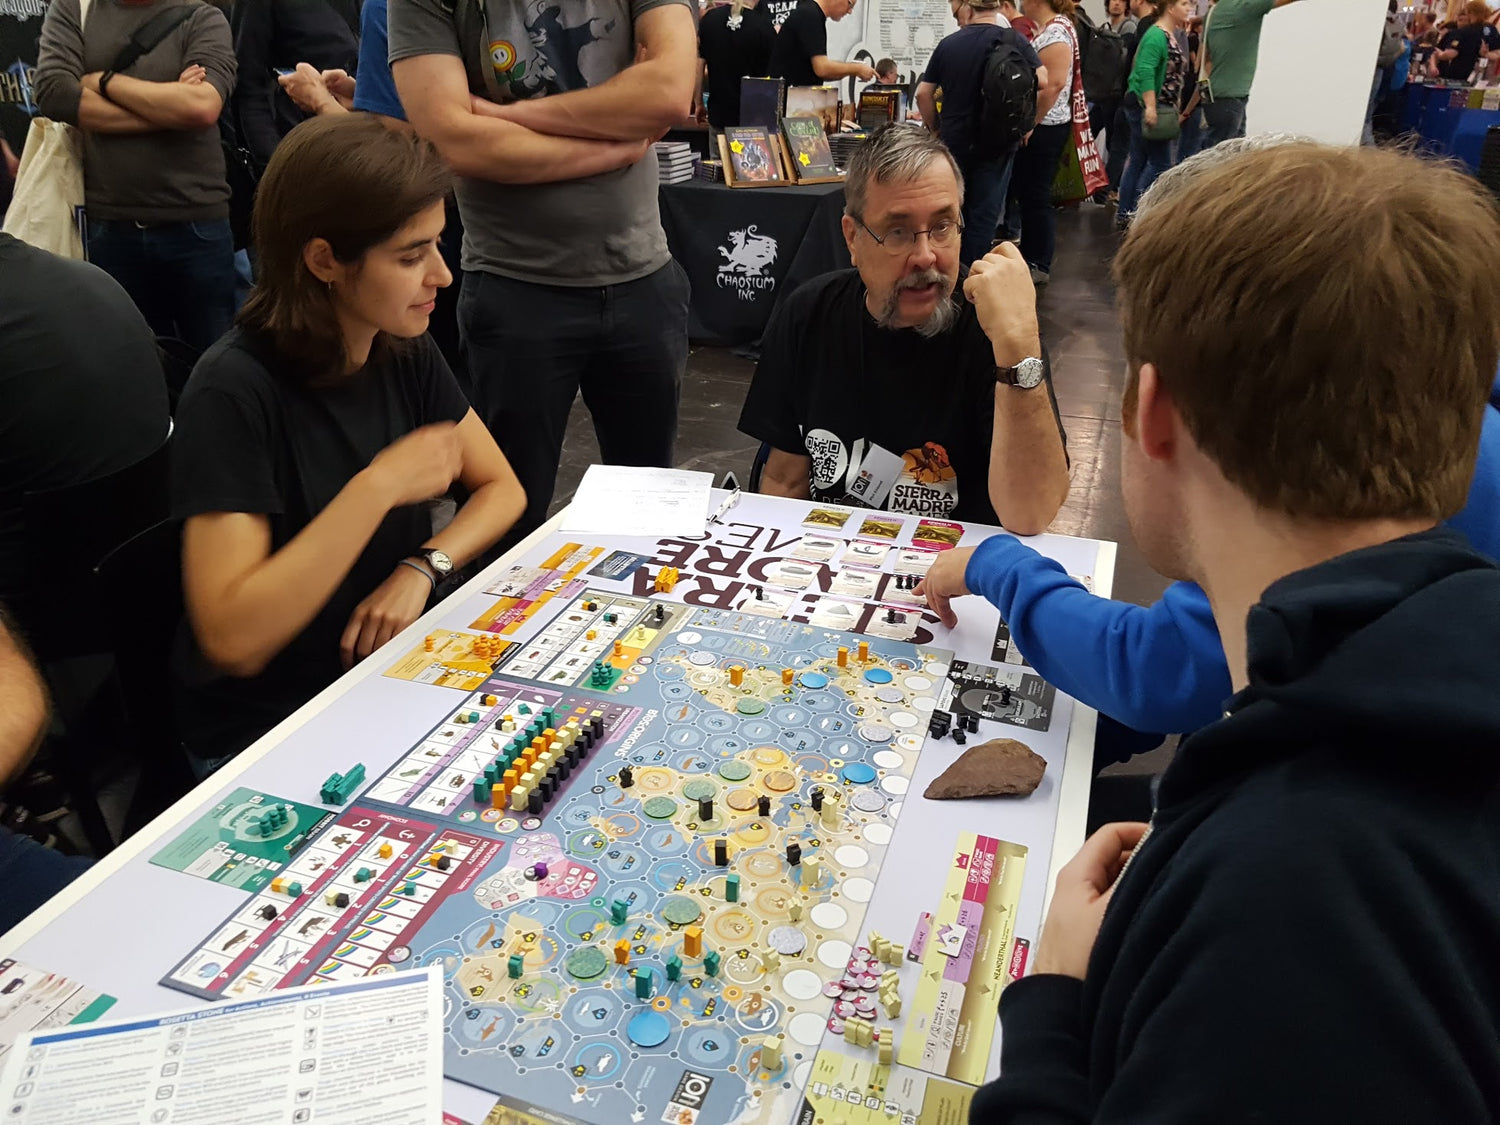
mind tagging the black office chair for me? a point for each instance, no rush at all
(758, 466)
(142, 578)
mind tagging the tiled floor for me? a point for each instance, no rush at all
(1082, 335)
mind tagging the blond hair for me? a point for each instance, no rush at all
(1332, 366)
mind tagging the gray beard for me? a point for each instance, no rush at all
(941, 319)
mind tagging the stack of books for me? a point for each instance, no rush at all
(844, 146)
(674, 161)
(711, 170)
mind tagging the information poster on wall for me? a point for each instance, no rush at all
(903, 30)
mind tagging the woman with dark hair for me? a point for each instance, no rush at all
(313, 439)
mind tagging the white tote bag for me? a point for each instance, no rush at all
(46, 208)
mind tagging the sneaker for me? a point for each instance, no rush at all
(1039, 278)
(1100, 198)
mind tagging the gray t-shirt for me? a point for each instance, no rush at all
(167, 176)
(600, 230)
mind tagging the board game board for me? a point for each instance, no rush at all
(632, 976)
(244, 840)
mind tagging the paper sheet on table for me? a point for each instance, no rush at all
(625, 500)
(347, 1054)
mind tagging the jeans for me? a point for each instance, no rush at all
(1190, 142)
(986, 184)
(1035, 169)
(33, 874)
(180, 275)
(531, 348)
(1223, 119)
(1117, 141)
(1148, 159)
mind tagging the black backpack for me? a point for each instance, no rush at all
(1007, 99)
(1105, 57)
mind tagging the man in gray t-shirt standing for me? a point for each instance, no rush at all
(546, 110)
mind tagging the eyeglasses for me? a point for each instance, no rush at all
(900, 241)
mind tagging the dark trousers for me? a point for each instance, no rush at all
(1148, 159)
(180, 275)
(32, 874)
(531, 348)
(986, 184)
(1035, 169)
(1223, 120)
(1102, 118)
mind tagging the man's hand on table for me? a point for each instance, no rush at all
(945, 581)
(1000, 288)
(1084, 887)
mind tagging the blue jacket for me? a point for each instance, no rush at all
(1159, 667)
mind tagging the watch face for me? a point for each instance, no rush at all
(1029, 373)
(440, 562)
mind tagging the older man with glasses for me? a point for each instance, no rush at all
(884, 387)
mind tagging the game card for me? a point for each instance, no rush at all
(827, 519)
(515, 581)
(896, 623)
(792, 574)
(866, 554)
(914, 561)
(876, 527)
(766, 601)
(816, 548)
(855, 583)
(892, 592)
(617, 566)
(830, 613)
(937, 535)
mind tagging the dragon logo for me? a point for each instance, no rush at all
(747, 260)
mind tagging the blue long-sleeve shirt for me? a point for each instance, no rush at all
(1159, 667)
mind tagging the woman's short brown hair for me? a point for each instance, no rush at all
(1477, 10)
(1332, 365)
(345, 178)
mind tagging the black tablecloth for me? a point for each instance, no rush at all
(744, 249)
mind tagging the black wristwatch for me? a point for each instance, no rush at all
(440, 563)
(1025, 375)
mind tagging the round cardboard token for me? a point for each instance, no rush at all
(889, 694)
(787, 940)
(586, 962)
(659, 808)
(699, 788)
(734, 770)
(813, 680)
(648, 1029)
(857, 773)
(866, 800)
(681, 911)
(741, 800)
(750, 706)
(781, 781)
(878, 676)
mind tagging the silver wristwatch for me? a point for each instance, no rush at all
(1026, 374)
(441, 564)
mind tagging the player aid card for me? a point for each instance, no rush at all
(866, 554)
(937, 535)
(827, 519)
(855, 583)
(914, 561)
(771, 602)
(816, 548)
(880, 528)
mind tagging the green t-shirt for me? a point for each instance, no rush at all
(1233, 41)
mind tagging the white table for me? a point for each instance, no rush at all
(125, 923)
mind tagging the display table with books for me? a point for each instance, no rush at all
(744, 250)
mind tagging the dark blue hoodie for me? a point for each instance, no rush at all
(1310, 932)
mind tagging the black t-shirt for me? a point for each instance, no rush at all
(80, 383)
(957, 65)
(20, 34)
(253, 439)
(802, 38)
(1467, 41)
(833, 385)
(733, 53)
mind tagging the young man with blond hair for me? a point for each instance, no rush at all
(1306, 930)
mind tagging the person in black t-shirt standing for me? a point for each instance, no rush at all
(957, 67)
(801, 52)
(879, 386)
(734, 41)
(1459, 49)
(312, 437)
